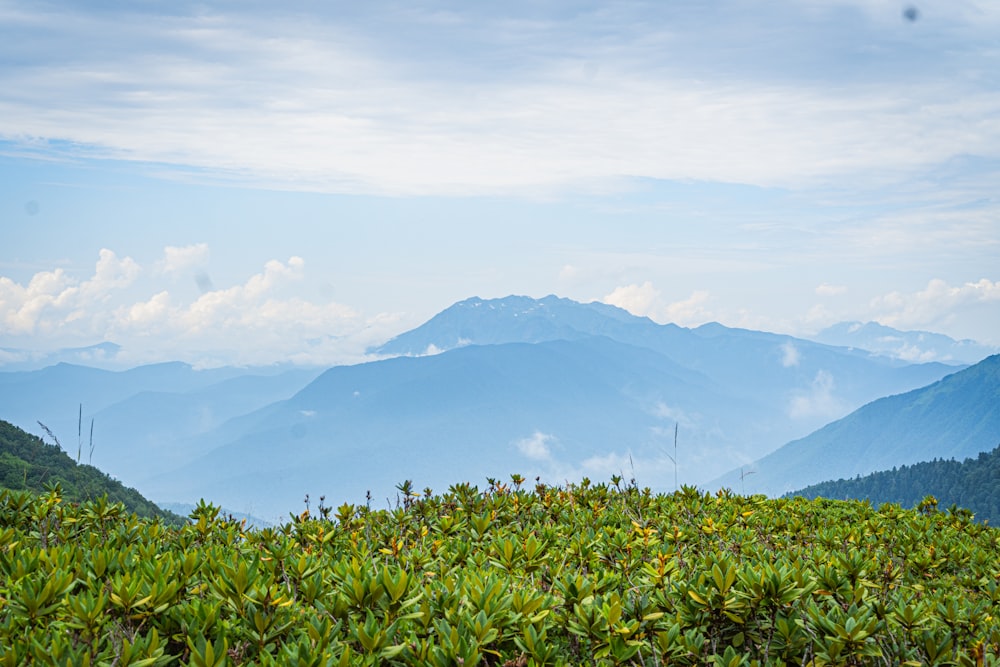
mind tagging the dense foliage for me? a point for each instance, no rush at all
(28, 463)
(973, 484)
(587, 574)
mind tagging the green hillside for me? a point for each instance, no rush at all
(27, 463)
(954, 418)
(973, 484)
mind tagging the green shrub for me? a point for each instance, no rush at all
(586, 574)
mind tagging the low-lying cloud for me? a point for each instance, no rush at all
(177, 259)
(645, 300)
(790, 355)
(826, 289)
(816, 400)
(53, 303)
(262, 320)
(934, 305)
(536, 447)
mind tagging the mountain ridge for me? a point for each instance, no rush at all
(955, 416)
(544, 386)
(476, 321)
(914, 345)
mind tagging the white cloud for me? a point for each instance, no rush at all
(53, 300)
(915, 354)
(826, 289)
(249, 307)
(13, 356)
(181, 258)
(656, 472)
(818, 317)
(641, 300)
(818, 400)
(110, 273)
(670, 413)
(536, 447)
(790, 355)
(689, 311)
(655, 469)
(258, 321)
(313, 103)
(147, 313)
(936, 304)
(603, 466)
(568, 273)
(646, 301)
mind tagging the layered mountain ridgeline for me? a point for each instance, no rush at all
(146, 416)
(956, 417)
(973, 484)
(103, 355)
(908, 345)
(549, 387)
(744, 361)
(27, 463)
(588, 574)
(797, 384)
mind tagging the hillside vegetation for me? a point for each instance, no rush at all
(27, 463)
(586, 574)
(973, 484)
(956, 417)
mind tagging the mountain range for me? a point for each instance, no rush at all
(547, 387)
(906, 345)
(141, 416)
(955, 417)
(542, 387)
(99, 355)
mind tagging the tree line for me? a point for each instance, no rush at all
(973, 484)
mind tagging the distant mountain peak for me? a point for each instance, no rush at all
(101, 354)
(511, 319)
(549, 303)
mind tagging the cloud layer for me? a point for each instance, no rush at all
(258, 321)
(935, 307)
(467, 100)
(779, 166)
(264, 318)
(53, 302)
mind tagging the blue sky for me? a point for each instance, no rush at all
(243, 182)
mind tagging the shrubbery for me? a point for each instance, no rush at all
(586, 574)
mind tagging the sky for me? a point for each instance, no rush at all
(224, 182)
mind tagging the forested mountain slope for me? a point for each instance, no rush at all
(972, 484)
(27, 463)
(956, 417)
